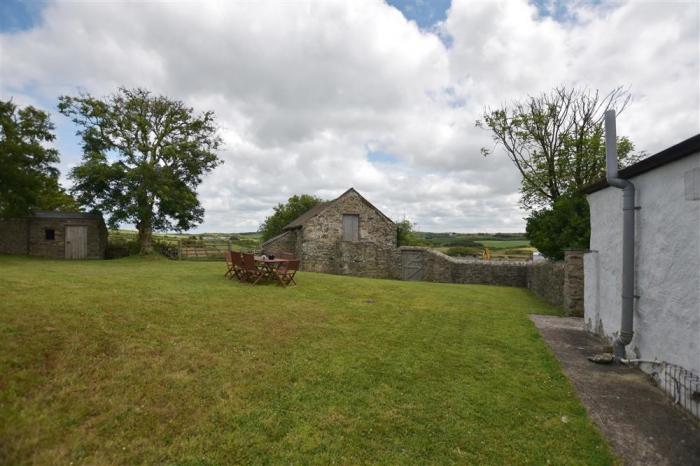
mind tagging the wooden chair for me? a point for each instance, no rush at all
(286, 271)
(230, 267)
(238, 266)
(252, 273)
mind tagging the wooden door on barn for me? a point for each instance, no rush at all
(351, 227)
(412, 266)
(76, 242)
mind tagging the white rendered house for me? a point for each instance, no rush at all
(667, 262)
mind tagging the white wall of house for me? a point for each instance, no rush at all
(667, 312)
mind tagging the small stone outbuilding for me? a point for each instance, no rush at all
(347, 236)
(58, 235)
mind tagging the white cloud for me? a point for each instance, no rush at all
(301, 90)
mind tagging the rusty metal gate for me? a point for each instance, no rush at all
(412, 266)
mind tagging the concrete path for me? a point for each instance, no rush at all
(638, 419)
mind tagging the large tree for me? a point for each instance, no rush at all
(143, 158)
(28, 177)
(284, 213)
(556, 140)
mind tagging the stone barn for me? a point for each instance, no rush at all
(346, 236)
(59, 235)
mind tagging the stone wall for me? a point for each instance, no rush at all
(13, 236)
(364, 259)
(573, 283)
(546, 280)
(559, 283)
(438, 267)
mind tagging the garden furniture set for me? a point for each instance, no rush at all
(252, 269)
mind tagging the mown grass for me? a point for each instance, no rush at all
(139, 361)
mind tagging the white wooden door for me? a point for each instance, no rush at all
(76, 242)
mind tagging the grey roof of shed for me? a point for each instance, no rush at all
(275, 238)
(318, 208)
(683, 149)
(65, 215)
(312, 212)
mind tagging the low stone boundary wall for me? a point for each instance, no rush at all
(559, 283)
(439, 267)
(546, 280)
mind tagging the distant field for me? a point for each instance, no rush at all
(512, 246)
(505, 244)
(212, 241)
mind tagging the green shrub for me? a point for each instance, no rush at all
(121, 247)
(565, 225)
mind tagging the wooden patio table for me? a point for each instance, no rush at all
(270, 265)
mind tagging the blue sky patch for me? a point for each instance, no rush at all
(426, 13)
(20, 15)
(379, 156)
(558, 10)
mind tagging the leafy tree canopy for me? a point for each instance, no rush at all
(143, 158)
(556, 140)
(566, 225)
(405, 235)
(286, 213)
(28, 179)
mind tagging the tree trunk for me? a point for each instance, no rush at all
(145, 238)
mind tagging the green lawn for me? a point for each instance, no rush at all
(138, 361)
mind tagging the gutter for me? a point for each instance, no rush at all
(628, 232)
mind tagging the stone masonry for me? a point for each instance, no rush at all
(546, 280)
(317, 239)
(28, 235)
(442, 268)
(559, 283)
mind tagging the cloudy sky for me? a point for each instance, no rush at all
(317, 96)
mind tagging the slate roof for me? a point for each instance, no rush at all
(65, 215)
(312, 212)
(318, 208)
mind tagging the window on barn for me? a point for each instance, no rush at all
(49, 233)
(351, 227)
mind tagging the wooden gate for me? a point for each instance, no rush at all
(412, 265)
(76, 242)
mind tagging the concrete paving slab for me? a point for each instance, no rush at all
(637, 418)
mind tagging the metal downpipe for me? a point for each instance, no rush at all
(628, 210)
